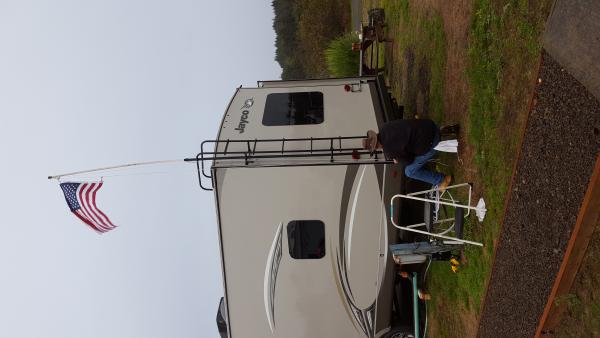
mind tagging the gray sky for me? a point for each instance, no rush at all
(93, 83)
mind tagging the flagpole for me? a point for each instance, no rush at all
(57, 177)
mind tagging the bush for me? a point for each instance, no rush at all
(341, 59)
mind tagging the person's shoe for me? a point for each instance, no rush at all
(422, 295)
(445, 183)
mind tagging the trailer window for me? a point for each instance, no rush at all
(306, 239)
(284, 109)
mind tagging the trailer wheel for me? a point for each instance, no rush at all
(401, 332)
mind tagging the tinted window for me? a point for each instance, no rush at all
(284, 109)
(306, 239)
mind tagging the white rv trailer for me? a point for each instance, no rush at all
(301, 210)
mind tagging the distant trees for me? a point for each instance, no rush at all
(285, 24)
(304, 29)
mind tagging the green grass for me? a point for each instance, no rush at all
(582, 315)
(582, 304)
(380, 63)
(503, 56)
(503, 53)
(424, 36)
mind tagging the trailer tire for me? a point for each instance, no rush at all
(399, 332)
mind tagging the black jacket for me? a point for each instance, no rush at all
(402, 140)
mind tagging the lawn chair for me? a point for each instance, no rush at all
(437, 221)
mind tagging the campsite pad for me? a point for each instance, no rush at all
(561, 142)
(572, 38)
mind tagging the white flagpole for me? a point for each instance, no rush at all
(57, 177)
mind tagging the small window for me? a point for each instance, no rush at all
(284, 109)
(306, 239)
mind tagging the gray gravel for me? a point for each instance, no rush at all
(562, 141)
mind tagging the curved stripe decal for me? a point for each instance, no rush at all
(352, 213)
(364, 318)
(339, 287)
(271, 270)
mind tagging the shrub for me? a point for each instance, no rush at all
(341, 59)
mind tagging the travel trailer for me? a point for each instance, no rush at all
(303, 212)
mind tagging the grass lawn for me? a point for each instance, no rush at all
(375, 55)
(583, 302)
(501, 61)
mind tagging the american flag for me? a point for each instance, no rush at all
(81, 198)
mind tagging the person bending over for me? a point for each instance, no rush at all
(411, 143)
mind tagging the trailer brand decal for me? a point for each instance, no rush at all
(248, 103)
(244, 118)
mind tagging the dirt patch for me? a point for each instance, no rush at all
(432, 82)
(457, 21)
(463, 326)
(423, 83)
(470, 323)
(407, 79)
(415, 85)
(556, 161)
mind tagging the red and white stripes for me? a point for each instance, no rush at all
(89, 212)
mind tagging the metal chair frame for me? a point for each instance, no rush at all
(437, 201)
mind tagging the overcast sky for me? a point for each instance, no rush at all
(85, 84)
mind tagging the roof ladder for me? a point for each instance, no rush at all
(281, 152)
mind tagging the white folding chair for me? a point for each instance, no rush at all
(434, 199)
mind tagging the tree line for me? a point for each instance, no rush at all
(304, 29)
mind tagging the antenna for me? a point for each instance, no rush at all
(137, 164)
